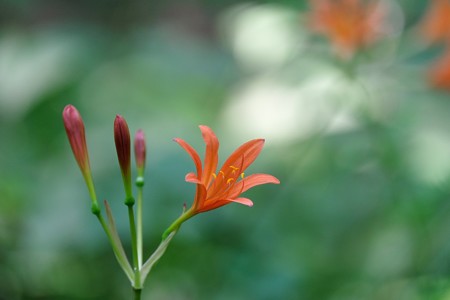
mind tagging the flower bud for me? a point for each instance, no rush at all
(139, 152)
(122, 140)
(74, 126)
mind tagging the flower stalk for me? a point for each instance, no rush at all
(137, 294)
(122, 141)
(214, 188)
(114, 239)
(140, 156)
(175, 226)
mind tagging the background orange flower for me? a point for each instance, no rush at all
(349, 24)
(435, 26)
(439, 72)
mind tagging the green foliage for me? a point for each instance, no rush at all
(361, 147)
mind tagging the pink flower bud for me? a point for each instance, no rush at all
(75, 132)
(140, 151)
(122, 140)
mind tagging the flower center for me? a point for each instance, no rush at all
(224, 181)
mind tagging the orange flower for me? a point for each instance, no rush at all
(349, 24)
(215, 189)
(436, 22)
(439, 72)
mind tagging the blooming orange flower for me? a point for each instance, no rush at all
(436, 22)
(349, 24)
(215, 189)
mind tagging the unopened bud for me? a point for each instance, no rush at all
(74, 126)
(122, 140)
(140, 152)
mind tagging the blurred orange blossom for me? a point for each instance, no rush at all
(439, 72)
(435, 26)
(349, 24)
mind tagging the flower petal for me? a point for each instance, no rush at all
(210, 205)
(243, 156)
(200, 197)
(211, 153)
(244, 201)
(192, 177)
(251, 181)
(194, 155)
(236, 164)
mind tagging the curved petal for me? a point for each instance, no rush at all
(194, 155)
(222, 202)
(251, 181)
(244, 156)
(211, 153)
(192, 177)
(238, 161)
(241, 200)
(210, 205)
(200, 198)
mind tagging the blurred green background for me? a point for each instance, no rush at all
(361, 146)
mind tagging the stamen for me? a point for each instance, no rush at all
(242, 187)
(223, 174)
(214, 175)
(229, 180)
(234, 169)
(242, 175)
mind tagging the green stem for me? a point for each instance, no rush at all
(90, 185)
(137, 280)
(137, 294)
(177, 223)
(139, 227)
(159, 252)
(121, 259)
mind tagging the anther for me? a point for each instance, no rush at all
(242, 175)
(229, 180)
(234, 169)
